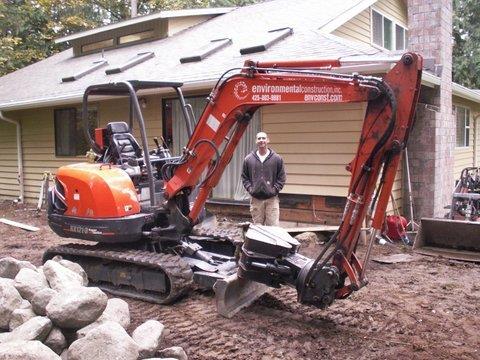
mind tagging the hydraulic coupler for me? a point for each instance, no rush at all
(269, 256)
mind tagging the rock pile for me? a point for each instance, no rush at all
(49, 313)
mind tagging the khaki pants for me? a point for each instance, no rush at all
(265, 212)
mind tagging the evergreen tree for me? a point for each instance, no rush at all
(466, 48)
(28, 27)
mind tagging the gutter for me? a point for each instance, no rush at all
(21, 198)
(465, 92)
(77, 97)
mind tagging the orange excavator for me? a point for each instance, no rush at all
(143, 208)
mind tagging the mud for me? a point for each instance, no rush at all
(428, 308)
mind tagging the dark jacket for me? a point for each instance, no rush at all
(263, 180)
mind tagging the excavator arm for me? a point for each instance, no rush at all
(388, 121)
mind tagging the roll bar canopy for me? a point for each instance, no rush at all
(130, 88)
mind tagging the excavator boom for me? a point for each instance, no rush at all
(388, 121)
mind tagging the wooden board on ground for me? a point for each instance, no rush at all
(394, 259)
(315, 228)
(19, 225)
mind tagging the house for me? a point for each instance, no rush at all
(40, 104)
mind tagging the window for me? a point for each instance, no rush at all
(386, 33)
(400, 37)
(175, 134)
(135, 37)
(463, 127)
(69, 137)
(97, 45)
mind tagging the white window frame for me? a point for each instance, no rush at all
(466, 127)
(394, 37)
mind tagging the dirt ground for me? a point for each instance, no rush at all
(425, 309)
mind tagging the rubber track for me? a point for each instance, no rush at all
(177, 270)
(232, 234)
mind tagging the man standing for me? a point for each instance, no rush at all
(263, 176)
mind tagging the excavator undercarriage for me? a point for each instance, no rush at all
(144, 209)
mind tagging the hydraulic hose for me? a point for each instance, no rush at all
(386, 135)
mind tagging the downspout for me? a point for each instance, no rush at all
(21, 198)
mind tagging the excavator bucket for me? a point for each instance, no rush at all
(232, 294)
(453, 239)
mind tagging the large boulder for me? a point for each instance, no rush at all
(107, 341)
(76, 307)
(41, 300)
(76, 268)
(9, 267)
(56, 340)
(36, 328)
(28, 282)
(6, 281)
(25, 304)
(148, 337)
(64, 355)
(310, 243)
(10, 300)
(61, 278)
(175, 352)
(26, 350)
(20, 316)
(117, 310)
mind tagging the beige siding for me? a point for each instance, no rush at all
(316, 142)
(117, 110)
(38, 141)
(359, 27)
(38, 137)
(178, 24)
(395, 10)
(9, 188)
(464, 157)
(476, 145)
(356, 29)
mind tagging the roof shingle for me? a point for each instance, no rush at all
(41, 82)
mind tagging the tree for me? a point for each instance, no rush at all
(24, 35)
(466, 48)
(28, 27)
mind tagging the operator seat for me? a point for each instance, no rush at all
(122, 143)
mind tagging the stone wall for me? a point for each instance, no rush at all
(432, 143)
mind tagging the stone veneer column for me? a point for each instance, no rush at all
(432, 142)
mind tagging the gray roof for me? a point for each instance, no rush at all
(40, 84)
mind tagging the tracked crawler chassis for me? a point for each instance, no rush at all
(141, 206)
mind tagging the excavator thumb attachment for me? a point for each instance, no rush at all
(232, 294)
(453, 239)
